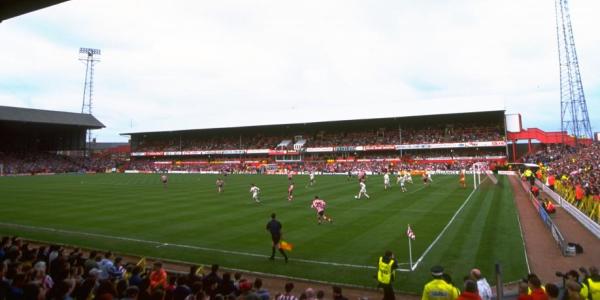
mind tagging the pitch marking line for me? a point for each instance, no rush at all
(162, 244)
(414, 267)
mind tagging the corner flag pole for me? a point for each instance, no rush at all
(410, 249)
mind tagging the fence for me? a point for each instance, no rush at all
(580, 216)
(556, 234)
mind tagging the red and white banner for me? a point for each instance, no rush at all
(324, 149)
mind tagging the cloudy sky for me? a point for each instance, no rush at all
(201, 64)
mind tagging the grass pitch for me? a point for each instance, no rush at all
(189, 221)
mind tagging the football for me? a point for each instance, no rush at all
(355, 197)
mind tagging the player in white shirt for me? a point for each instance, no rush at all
(386, 181)
(428, 172)
(164, 179)
(402, 180)
(311, 177)
(408, 177)
(254, 190)
(291, 191)
(362, 191)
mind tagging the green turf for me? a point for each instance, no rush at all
(190, 213)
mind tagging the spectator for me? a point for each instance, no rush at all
(537, 293)
(337, 293)
(552, 291)
(225, 285)
(288, 293)
(593, 283)
(158, 277)
(437, 289)
(183, 290)
(470, 292)
(261, 292)
(483, 287)
(131, 293)
(211, 281)
(524, 291)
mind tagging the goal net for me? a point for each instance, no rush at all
(482, 168)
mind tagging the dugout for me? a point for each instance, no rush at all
(35, 130)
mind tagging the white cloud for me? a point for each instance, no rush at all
(196, 64)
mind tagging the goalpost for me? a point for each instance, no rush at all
(479, 168)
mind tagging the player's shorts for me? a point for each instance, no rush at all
(164, 180)
(321, 213)
(275, 238)
(424, 179)
(462, 180)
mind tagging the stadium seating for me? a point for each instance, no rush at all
(35, 163)
(574, 169)
(427, 135)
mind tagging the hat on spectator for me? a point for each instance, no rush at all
(437, 270)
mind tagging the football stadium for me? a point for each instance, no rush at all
(437, 203)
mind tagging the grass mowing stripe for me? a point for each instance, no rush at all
(191, 213)
(443, 230)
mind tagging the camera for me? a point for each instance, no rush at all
(560, 274)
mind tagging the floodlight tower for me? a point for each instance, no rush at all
(90, 57)
(573, 109)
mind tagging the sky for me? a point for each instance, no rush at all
(184, 64)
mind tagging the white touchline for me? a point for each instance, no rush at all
(163, 244)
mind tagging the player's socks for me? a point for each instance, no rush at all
(284, 255)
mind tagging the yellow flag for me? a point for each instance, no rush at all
(142, 263)
(286, 246)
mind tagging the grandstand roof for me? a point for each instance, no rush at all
(13, 8)
(478, 116)
(28, 115)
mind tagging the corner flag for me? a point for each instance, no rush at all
(410, 233)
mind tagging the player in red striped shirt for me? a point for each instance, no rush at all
(319, 205)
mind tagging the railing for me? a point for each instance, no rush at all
(580, 216)
(556, 234)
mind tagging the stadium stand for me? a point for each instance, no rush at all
(43, 141)
(575, 173)
(13, 8)
(441, 141)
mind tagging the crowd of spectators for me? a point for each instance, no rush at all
(42, 162)
(382, 136)
(30, 272)
(575, 285)
(574, 173)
